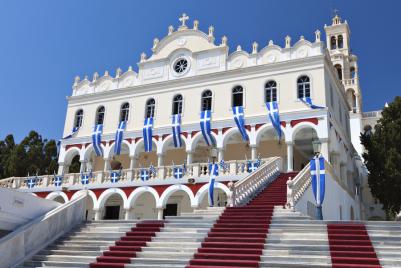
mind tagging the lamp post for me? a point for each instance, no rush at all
(317, 145)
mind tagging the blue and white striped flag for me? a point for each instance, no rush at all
(115, 176)
(178, 172)
(308, 101)
(318, 184)
(97, 139)
(238, 112)
(145, 175)
(119, 137)
(272, 108)
(84, 179)
(252, 166)
(152, 170)
(205, 124)
(223, 165)
(31, 182)
(214, 172)
(58, 180)
(74, 130)
(176, 125)
(147, 134)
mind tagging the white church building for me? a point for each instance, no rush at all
(190, 72)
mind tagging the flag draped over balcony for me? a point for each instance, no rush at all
(176, 126)
(308, 101)
(238, 112)
(205, 124)
(214, 172)
(119, 137)
(147, 134)
(272, 108)
(97, 139)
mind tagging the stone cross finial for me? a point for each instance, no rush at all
(317, 36)
(183, 19)
(170, 29)
(118, 72)
(211, 30)
(287, 41)
(239, 48)
(143, 56)
(196, 24)
(224, 41)
(254, 47)
(270, 43)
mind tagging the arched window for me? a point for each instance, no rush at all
(79, 116)
(206, 100)
(150, 108)
(177, 104)
(339, 71)
(124, 114)
(238, 97)
(340, 41)
(100, 115)
(333, 42)
(303, 84)
(271, 91)
(352, 72)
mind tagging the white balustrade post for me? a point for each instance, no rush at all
(160, 213)
(290, 156)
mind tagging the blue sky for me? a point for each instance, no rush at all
(45, 43)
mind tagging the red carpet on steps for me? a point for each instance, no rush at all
(238, 237)
(350, 246)
(126, 248)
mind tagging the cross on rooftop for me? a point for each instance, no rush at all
(183, 19)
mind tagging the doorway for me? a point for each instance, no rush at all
(112, 213)
(170, 210)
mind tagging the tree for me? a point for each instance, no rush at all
(383, 157)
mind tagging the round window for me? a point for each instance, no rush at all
(180, 66)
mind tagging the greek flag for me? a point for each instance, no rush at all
(214, 172)
(115, 176)
(58, 180)
(119, 137)
(97, 139)
(31, 182)
(308, 101)
(145, 175)
(84, 179)
(223, 165)
(205, 121)
(176, 125)
(178, 172)
(272, 108)
(318, 184)
(74, 130)
(238, 112)
(147, 134)
(152, 170)
(252, 166)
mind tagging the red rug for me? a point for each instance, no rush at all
(350, 246)
(126, 248)
(238, 237)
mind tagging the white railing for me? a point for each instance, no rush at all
(194, 170)
(245, 189)
(297, 186)
(350, 82)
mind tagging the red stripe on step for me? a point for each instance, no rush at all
(350, 246)
(237, 238)
(125, 249)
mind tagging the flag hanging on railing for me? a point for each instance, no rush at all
(115, 176)
(178, 172)
(147, 134)
(223, 165)
(176, 125)
(214, 172)
(252, 166)
(97, 139)
(318, 184)
(308, 101)
(152, 170)
(144, 175)
(84, 179)
(58, 180)
(31, 182)
(119, 137)
(238, 112)
(205, 124)
(274, 115)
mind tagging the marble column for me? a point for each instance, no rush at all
(160, 158)
(82, 168)
(132, 162)
(106, 164)
(98, 214)
(220, 154)
(160, 213)
(127, 214)
(189, 158)
(254, 152)
(290, 156)
(61, 169)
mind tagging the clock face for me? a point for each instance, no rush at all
(180, 66)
